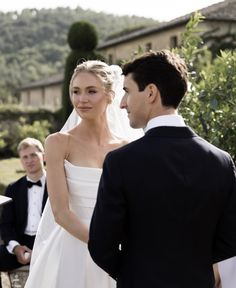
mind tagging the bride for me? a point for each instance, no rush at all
(74, 157)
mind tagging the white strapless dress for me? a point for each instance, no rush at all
(227, 270)
(60, 260)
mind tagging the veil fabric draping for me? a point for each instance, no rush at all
(119, 125)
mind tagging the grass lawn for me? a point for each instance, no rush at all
(10, 170)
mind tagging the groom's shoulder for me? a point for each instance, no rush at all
(124, 155)
(127, 148)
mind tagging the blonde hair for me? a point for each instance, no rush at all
(27, 142)
(98, 68)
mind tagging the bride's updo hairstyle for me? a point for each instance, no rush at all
(109, 75)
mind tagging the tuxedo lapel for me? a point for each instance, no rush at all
(21, 198)
(24, 198)
(45, 196)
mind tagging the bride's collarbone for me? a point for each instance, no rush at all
(91, 146)
(89, 154)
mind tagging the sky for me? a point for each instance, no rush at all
(162, 10)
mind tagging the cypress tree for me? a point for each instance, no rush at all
(82, 39)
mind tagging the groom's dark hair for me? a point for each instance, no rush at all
(164, 69)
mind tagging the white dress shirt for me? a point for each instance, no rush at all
(35, 200)
(173, 120)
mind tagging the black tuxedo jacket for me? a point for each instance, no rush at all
(165, 211)
(15, 213)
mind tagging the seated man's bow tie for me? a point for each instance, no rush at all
(30, 184)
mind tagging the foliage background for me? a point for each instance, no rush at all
(210, 104)
(11, 170)
(17, 123)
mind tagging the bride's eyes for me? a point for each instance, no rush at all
(78, 92)
(74, 91)
(92, 91)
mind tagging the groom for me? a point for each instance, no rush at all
(166, 205)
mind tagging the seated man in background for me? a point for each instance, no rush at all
(21, 216)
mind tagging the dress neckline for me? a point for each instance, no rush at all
(83, 167)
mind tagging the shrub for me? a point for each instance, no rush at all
(210, 104)
(82, 36)
(20, 130)
(16, 124)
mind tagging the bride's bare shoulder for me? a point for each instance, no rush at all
(58, 139)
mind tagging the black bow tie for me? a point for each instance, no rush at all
(30, 184)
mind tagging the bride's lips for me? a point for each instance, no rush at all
(84, 109)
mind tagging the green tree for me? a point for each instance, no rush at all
(82, 39)
(210, 104)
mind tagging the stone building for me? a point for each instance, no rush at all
(219, 23)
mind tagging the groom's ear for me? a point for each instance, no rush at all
(153, 93)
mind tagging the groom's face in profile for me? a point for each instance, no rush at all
(134, 102)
